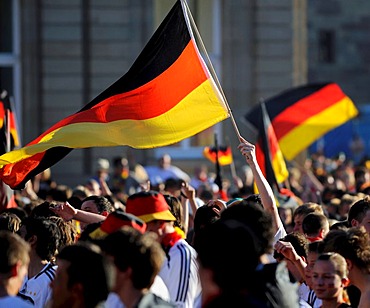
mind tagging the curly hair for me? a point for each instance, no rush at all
(352, 244)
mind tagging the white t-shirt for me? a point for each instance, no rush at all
(37, 289)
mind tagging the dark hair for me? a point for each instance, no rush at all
(228, 248)
(102, 203)
(47, 233)
(352, 244)
(313, 223)
(175, 207)
(205, 215)
(43, 210)
(317, 246)
(307, 208)
(299, 243)
(88, 267)
(141, 252)
(256, 218)
(358, 210)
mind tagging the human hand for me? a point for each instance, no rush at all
(64, 210)
(287, 250)
(188, 190)
(248, 150)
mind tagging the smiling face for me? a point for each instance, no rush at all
(326, 281)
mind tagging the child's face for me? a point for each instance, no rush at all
(311, 259)
(326, 282)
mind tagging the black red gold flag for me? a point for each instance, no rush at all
(268, 154)
(303, 114)
(167, 95)
(224, 154)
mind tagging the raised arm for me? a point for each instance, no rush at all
(267, 196)
(68, 212)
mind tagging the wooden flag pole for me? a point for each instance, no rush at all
(211, 68)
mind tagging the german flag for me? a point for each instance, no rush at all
(302, 115)
(268, 154)
(224, 155)
(7, 122)
(167, 95)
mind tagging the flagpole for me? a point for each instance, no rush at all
(232, 165)
(211, 68)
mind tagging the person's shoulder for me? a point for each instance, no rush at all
(183, 247)
(152, 300)
(14, 301)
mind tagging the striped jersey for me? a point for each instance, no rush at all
(180, 273)
(37, 289)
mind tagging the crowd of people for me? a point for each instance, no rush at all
(154, 236)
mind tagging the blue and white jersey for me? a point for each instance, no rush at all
(180, 274)
(37, 289)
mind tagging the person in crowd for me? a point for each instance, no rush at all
(314, 250)
(85, 217)
(123, 180)
(266, 196)
(353, 245)
(164, 170)
(137, 259)
(204, 216)
(359, 214)
(345, 204)
(315, 227)
(44, 237)
(97, 205)
(179, 271)
(200, 177)
(221, 256)
(10, 222)
(83, 278)
(293, 250)
(302, 211)
(14, 260)
(329, 280)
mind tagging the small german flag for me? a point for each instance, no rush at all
(167, 95)
(7, 114)
(302, 115)
(223, 153)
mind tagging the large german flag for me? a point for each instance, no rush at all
(166, 96)
(268, 154)
(302, 115)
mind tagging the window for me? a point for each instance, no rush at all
(10, 68)
(209, 27)
(326, 46)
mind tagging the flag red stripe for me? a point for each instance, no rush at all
(169, 89)
(306, 108)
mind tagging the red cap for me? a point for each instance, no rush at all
(149, 206)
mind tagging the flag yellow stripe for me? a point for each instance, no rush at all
(280, 170)
(306, 133)
(200, 109)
